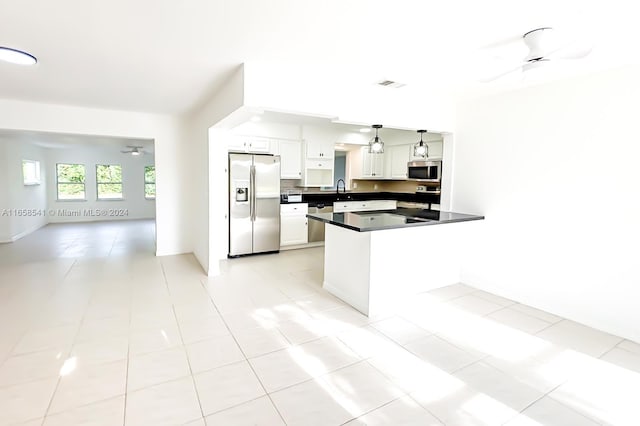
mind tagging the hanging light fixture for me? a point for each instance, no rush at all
(421, 149)
(376, 146)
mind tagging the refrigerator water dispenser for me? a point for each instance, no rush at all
(242, 194)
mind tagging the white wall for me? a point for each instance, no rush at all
(5, 219)
(15, 196)
(207, 174)
(134, 202)
(555, 170)
(174, 164)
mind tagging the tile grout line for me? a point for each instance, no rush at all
(69, 352)
(548, 395)
(193, 379)
(546, 328)
(245, 356)
(10, 353)
(126, 379)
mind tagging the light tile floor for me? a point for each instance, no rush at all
(96, 330)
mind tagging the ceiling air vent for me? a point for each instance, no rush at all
(390, 83)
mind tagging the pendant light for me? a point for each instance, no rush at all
(376, 146)
(421, 149)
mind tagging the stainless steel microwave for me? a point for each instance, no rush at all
(424, 170)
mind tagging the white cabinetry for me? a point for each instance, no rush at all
(318, 163)
(318, 172)
(293, 224)
(372, 164)
(398, 157)
(250, 144)
(320, 148)
(361, 206)
(290, 159)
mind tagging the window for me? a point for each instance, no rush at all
(109, 181)
(70, 179)
(31, 172)
(150, 182)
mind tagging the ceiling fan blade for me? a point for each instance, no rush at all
(577, 49)
(490, 78)
(502, 42)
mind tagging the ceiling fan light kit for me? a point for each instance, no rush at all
(18, 57)
(545, 46)
(135, 150)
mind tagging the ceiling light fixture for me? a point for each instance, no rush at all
(17, 57)
(134, 150)
(376, 146)
(421, 149)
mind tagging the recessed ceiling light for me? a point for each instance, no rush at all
(256, 118)
(15, 56)
(365, 130)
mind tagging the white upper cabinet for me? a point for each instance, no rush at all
(290, 159)
(250, 144)
(318, 173)
(320, 148)
(398, 156)
(372, 164)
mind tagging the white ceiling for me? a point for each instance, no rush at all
(169, 56)
(66, 141)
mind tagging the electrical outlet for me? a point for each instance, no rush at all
(375, 186)
(355, 185)
(421, 188)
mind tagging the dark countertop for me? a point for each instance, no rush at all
(329, 197)
(391, 219)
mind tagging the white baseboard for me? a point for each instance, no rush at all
(27, 232)
(301, 246)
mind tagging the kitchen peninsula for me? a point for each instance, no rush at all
(373, 259)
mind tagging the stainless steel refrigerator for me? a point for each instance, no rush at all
(254, 204)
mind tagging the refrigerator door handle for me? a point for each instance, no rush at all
(252, 193)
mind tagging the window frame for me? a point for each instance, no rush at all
(98, 183)
(58, 183)
(146, 182)
(37, 174)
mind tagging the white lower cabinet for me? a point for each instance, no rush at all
(293, 224)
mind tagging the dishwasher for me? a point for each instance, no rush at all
(316, 228)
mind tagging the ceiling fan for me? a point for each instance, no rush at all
(545, 46)
(134, 150)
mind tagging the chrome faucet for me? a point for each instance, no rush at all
(344, 186)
